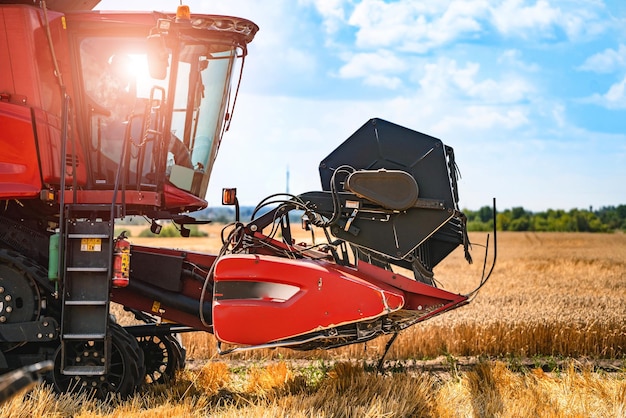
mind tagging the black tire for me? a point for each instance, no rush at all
(162, 357)
(126, 371)
(20, 295)
(181, 351)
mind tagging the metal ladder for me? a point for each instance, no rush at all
(86, 274)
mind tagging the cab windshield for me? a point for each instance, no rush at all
(171, 127)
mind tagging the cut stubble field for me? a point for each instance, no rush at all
(544, 337)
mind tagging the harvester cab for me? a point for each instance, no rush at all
(156, 98)
(111, 114)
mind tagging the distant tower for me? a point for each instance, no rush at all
(287, 180)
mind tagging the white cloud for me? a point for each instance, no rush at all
(421, 26)
(416, 26)
(607, 61)
(614, 98)
(374, 68)
(512, 17)
(482, 118)
(332, 12)
(298, 61)
(513, 58)
(516, 18)
(445, 78)
(558, 115)
(616, 94)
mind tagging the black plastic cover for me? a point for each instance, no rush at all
(381, 144)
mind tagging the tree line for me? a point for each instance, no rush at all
(605, 219)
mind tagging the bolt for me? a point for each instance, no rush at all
(40, 335)
(7, 298)
(77, 359)
(9, 309)
(86, 353)
(45, 323)
(51, 335)
(1, 288)
(3, 318)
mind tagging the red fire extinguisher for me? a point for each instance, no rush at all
(121, 261)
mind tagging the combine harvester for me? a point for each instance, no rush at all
(106, 115)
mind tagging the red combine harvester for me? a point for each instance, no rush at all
(105, 115)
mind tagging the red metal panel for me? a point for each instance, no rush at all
(179, 199)
(26, 67)
(27, 77)
(310, 296)
(18, 27)
(419, 296)
(49, 141)
(6, 75)
(19, 172)
(132, 197)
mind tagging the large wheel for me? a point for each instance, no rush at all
(126, 369)
(20, 298)
(163, 357)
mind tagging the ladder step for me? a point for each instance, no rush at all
(85, 302)
(80, 236)
(83, 370)
(89, 269)
(87, 337)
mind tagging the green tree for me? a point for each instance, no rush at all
(485, 214)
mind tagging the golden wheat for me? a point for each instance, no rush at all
(279, 389)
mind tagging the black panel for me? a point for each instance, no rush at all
(160, 270)
(391, 223)
(255, 290)
(381, 144)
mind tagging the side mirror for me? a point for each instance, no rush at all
(229, 198)
(158, 57)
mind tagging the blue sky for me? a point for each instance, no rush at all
(530, 93)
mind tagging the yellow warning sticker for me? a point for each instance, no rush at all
(91, 244)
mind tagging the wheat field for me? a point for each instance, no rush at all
(545, 337)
